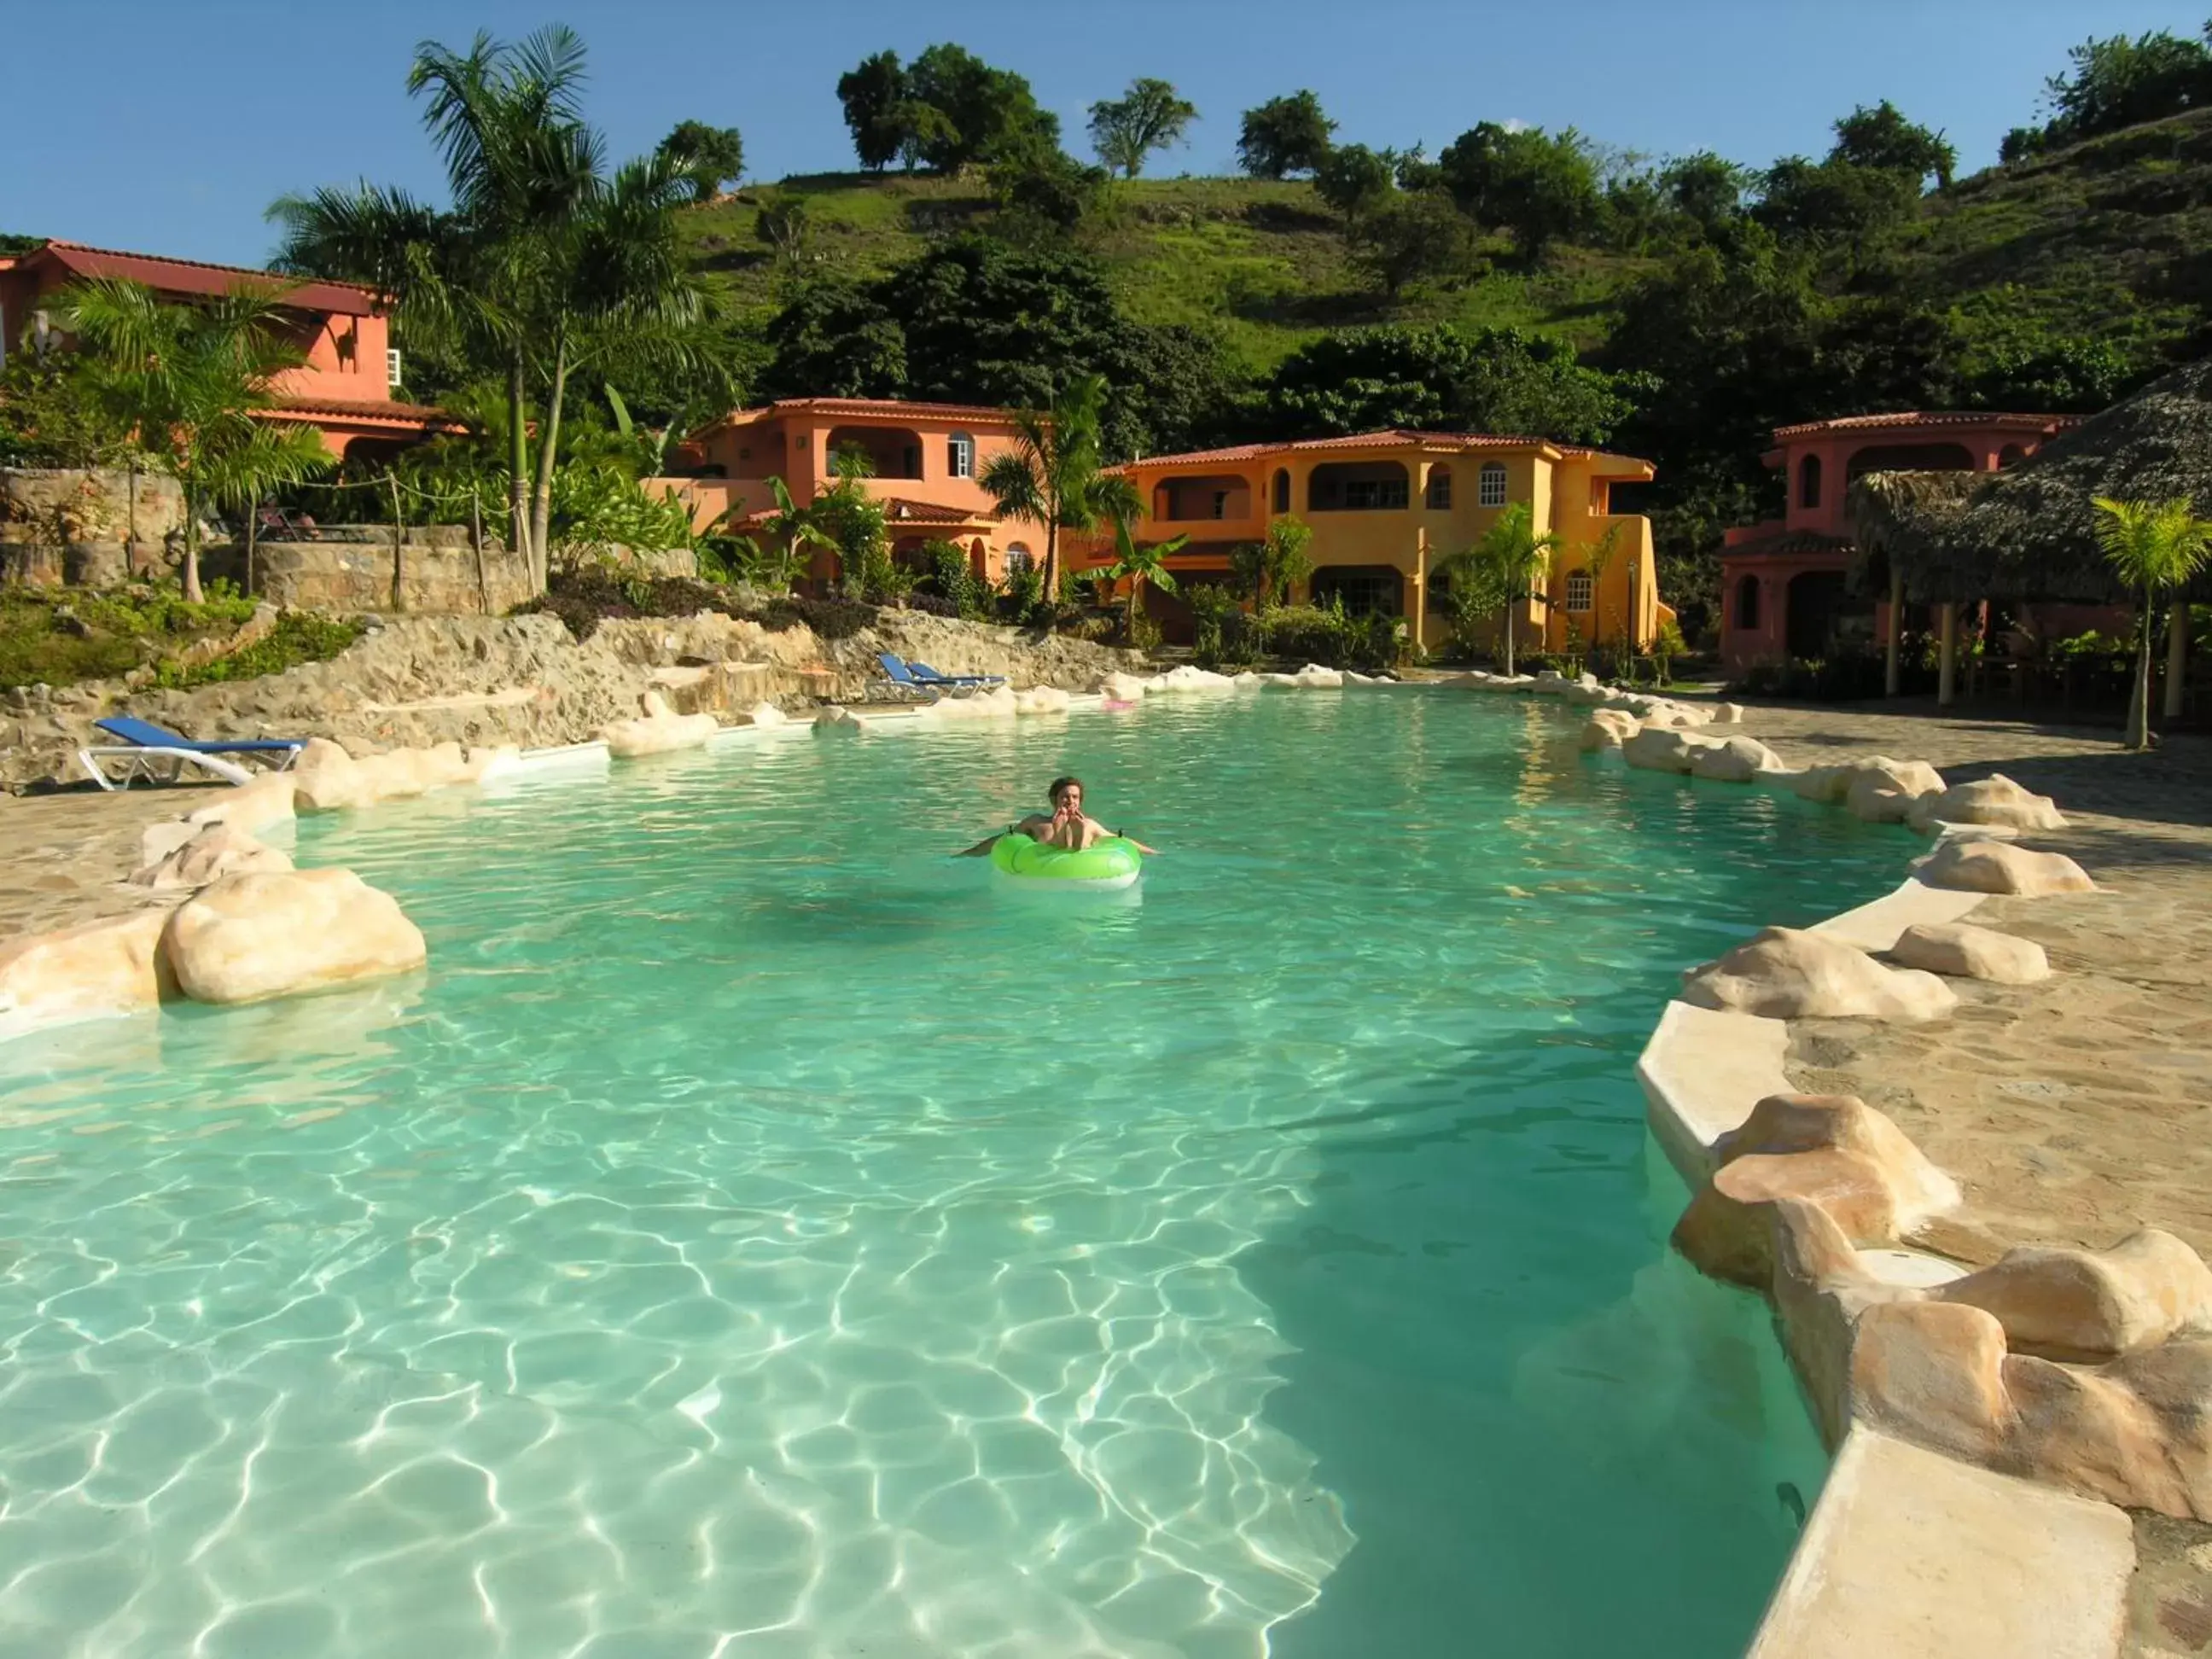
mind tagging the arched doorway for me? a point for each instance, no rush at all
(1823, 616)
(1745, 611)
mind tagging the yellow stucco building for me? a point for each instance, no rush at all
(1386, 508)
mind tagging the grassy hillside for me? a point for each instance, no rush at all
(2109, 237)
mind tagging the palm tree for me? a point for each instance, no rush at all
(2155, 547)
(1270, 570)
(1136, 566)
(541, 262)
(1050, 477)
(1506, 562)
(195, 383)
(790, 527)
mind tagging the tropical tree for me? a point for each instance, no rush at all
(1149, 116)
(709, 157)
(788, 529)
(2155, 547)
(1050, 477)
(1283, 135)
(872, 92)
(1138, 565)
(1505, 563)
(195, 383)
(1270, 570)
(542, 264)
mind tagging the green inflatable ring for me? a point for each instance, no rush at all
(1112, 862)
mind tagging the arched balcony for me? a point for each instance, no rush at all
(1358, 487)
(1214, 495)
(892, 452)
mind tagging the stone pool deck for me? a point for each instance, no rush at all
(2072, 1111)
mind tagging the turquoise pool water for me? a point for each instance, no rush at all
(759, 1235)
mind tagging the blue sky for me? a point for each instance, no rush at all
(169, 128)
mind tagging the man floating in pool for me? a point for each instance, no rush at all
(1064, 826)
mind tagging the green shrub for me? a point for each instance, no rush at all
(300, 636)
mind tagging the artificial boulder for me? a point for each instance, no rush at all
(1994, 800)
(1826, 784)
(766, 715)
(1660, 749)
(1789, 973)
(1186, 677)
(1123, 688)
(249, 937)
(89, 972)
(326, 779)
(659, 731)
(1883, 791)
(1998, 866)
(2093, 1305)
(253, 807)
(1046, 700)
(1963, 951)
(1608, 728)
(1733, 760)
(215, 850)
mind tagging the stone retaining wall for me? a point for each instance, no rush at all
(56, 507)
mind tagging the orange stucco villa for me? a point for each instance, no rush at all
(343, 390)
(926, 459)
(1386, 507)
(1784, 591)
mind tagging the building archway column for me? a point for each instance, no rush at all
(1890, 670)
(1947, 670)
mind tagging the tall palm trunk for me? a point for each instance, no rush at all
(2138, 734)
(1509, 638)
(541, 502)
(518, 471)
(1052, 557)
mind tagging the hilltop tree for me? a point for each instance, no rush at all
(1283, 135)
(1403, 238)
(983, 108)
(197, 383)
(1149, 116)
(1705, 187)
(1540, 186)
(1445, 379)
(1351, 179)
(1883, 139)
(709, 157)
(2117, 82)
(1832, 201)
(872, 94)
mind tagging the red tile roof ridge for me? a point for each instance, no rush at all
(1381, 436)
(204, 264)
(381, 408)
(868, 406)
(1929, 417)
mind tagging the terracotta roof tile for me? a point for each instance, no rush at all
(197, 276)
(375, 409)
(2010, 421)
(1392, 437)
(1778, 542)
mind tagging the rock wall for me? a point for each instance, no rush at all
(418, 681)
(56, 506)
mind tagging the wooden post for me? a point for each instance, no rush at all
(1890, 671)
(476, 539)
(252, 517)
(2176, 656)
(398, 545)
(1947, 671)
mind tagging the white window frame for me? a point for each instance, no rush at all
(1018, 557)
(392, 366)
(1580, 586)
(1489, 486)
(960, 456)
(1440, 481)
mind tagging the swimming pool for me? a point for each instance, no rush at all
(760, 1235)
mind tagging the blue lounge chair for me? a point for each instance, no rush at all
(925, 675)
(904, 682)
(144, 744)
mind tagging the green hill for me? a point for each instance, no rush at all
(2107, 239)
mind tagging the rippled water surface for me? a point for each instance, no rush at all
(758, 1235)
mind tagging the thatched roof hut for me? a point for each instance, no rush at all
(2029, 531)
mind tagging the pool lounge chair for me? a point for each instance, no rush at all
(903, 681)
(927, 676)
(144, 744)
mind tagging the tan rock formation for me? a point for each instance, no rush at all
(1733, 760)
(1964, 951)
(2093, 1304)
(1995, 799)
(251, 807)
(1882, 791)
(1997, 866)
(766, 715)
(214, 851)
(103, 968)
(659, 731)
(1608, 728)
(1050, 700)
(326, 779)
(157, 840)
(252, 937)
(1661, 749)
(1820, 783)
(1788, 973)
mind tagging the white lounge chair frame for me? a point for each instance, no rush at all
(140, 757)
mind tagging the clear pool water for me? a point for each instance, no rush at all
(759, 1235)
